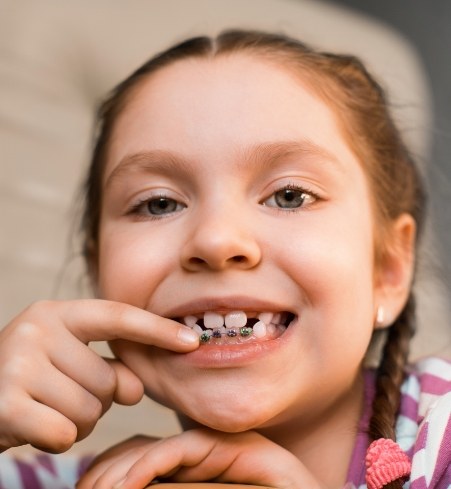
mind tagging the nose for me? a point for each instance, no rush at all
(220, 242)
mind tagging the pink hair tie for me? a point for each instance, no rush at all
(385, 462)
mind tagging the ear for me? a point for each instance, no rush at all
(394, 273)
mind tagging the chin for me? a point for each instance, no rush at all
(225, 418)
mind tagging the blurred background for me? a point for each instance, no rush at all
(57, 59)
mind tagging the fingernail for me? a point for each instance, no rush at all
(120, 484)
(187, 335)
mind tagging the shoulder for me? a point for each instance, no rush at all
(428, 386)
(426, 381)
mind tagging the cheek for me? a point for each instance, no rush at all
(332, 264)
(132, 263)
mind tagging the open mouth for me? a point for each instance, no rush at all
(238, 326)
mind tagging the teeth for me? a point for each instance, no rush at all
(276, 319)
(190, 321)
(236, 319)
(212, 320)
(266, 317)
(260, 329)
(271, 329)
(233, 320)
(198, 329)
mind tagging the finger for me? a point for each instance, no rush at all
(43, 427)
(102, 463)
(98, 320)
(129, 388)
(105, 378)
(66, 396)
(117, 470)
(92, 477)
(204, 455)
(165, 457)
(85, 367)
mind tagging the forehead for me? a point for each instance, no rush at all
(209, 107)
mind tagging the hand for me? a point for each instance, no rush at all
(53, 387)
(198, 455)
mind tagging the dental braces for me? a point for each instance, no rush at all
(231, 333)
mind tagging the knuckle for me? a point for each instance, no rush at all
(15, 370)
(123, 314)
(18, 370)
(28, 331)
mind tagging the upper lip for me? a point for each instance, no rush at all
(223, 305)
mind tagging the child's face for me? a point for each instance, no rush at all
(218, 141)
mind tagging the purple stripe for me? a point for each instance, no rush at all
(445, 480)
(28, 475)
(420, 442)
(83, 464)
(419, 483)
(444, 455)
(434, 385)
(356, 469)
(45, 461)
(409, 408)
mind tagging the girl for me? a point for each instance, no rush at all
(251, 222)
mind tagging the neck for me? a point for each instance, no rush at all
(325, 439)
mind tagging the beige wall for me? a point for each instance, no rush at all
(58, 58)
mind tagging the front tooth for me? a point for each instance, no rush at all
(198, 329)
(236, 319)
(260, 329)
(213, 320)
(266, 317)
(190, 321)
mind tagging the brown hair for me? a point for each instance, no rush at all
(361, 107)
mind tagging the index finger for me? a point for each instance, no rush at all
(102, 320)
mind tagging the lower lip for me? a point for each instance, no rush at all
(227, 356)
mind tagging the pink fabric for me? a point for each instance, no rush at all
(385, 462)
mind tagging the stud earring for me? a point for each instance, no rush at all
(383, 318)
(380, 317)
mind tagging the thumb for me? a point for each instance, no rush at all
(129, 388)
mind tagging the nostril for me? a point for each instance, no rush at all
(196, 261)
(239, 258)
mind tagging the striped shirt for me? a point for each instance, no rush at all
(423, 431)
(42, 471)
(423, 427)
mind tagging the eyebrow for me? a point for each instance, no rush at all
(264, 156)
(267, 155)
(157, 161)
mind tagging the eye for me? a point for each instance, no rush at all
(159, 206)
(291, 197)
(162, 205)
